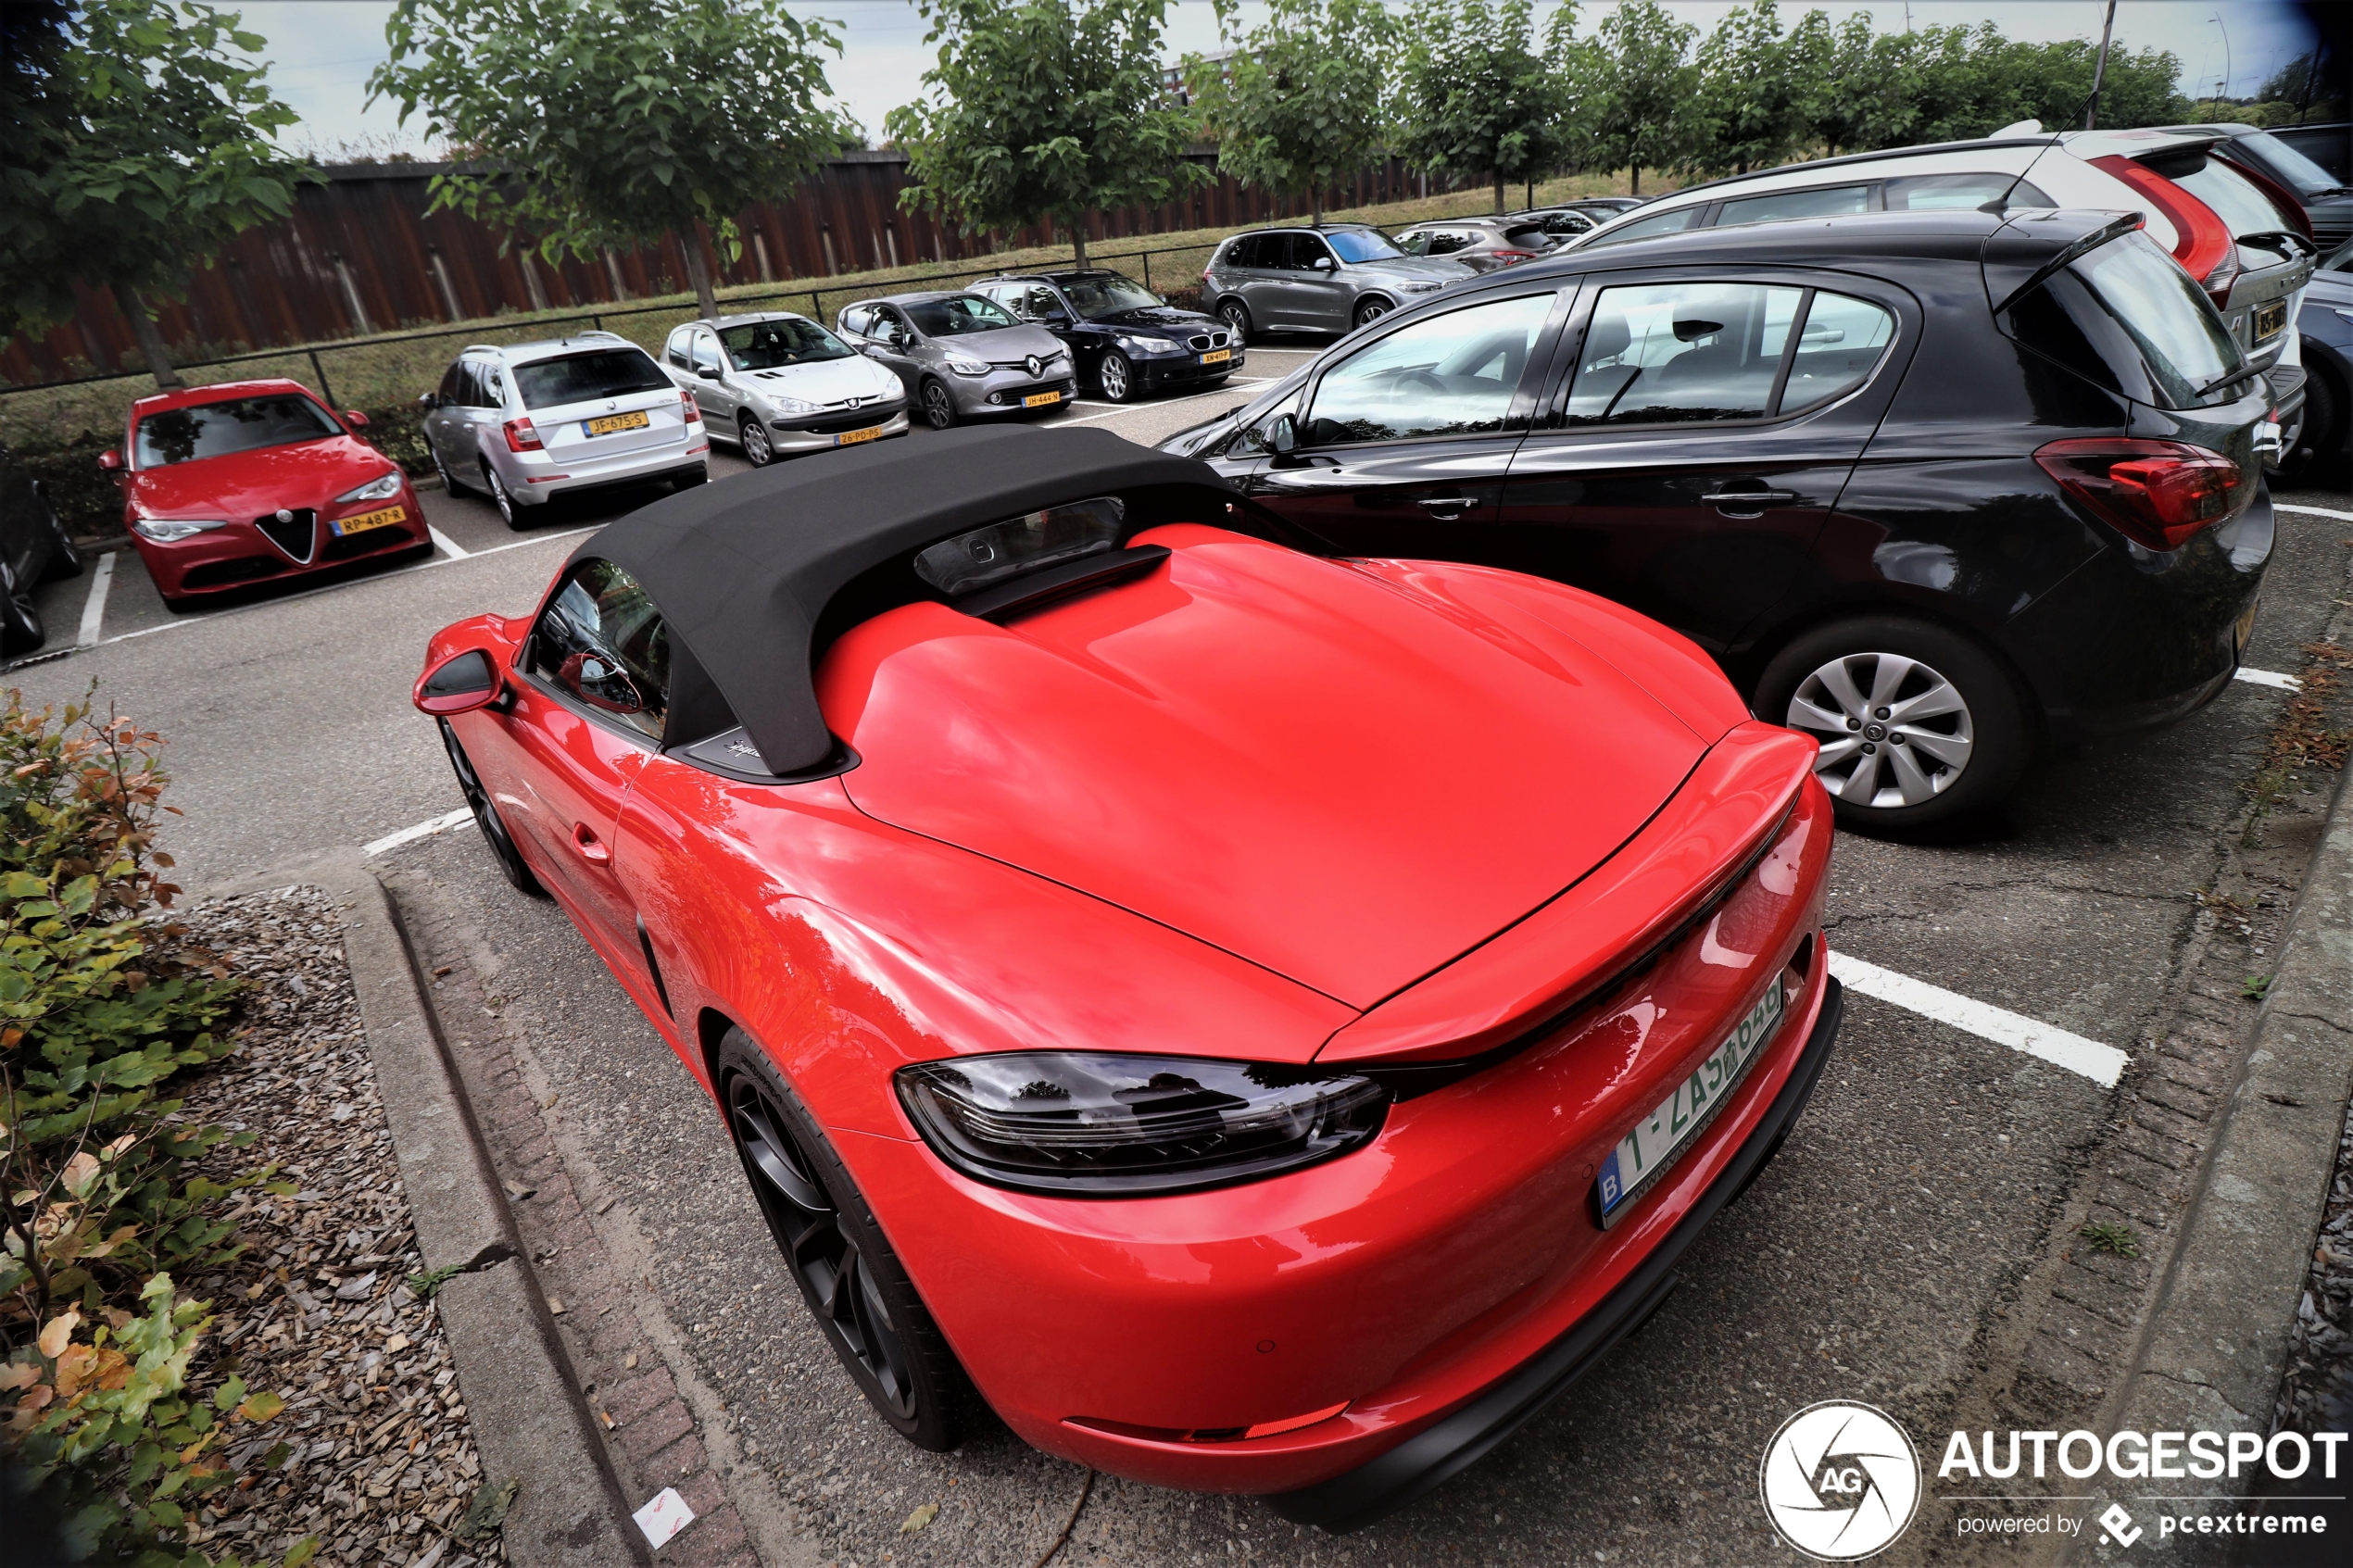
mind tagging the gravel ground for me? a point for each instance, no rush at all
(381, 1465)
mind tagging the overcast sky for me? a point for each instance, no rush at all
(320, 51)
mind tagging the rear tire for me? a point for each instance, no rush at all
(486, 817)
(1918, 725)
(508, 511)
(835, 1251)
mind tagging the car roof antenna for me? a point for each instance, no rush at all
(2001, 204)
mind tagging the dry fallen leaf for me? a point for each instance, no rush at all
(920, 1518)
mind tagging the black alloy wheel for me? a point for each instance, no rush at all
(1371, 310)
(940, 406)
(486, 810)
(507, 510)
(21, 628)
(1236, 314)
(752, 436)
(1117, 376)
(836, 1252)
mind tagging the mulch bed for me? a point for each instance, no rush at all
(380, 1462)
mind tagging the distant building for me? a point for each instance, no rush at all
(1172, 78)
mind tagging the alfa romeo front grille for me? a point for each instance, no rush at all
(297, 535)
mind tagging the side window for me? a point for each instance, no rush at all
(1306, 250)
(1007, 294)
(470, 388)
(494, 387)
(706, 351)
(1673, 222)
(1454, 375)
(1043, 302)
(1446, 242)
(1676, 352)
(675, 350)
(450, 386)
(859, 318)
(1412, 242)
(1841, 340)
(602, 644)
(1821, 203)
(890, 324)
(1248, 251)
(1923, 192)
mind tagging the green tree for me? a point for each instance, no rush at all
(1753, 93)
(142, 139)
(1478, 95)
(1041, 109)
(616, 121)
(1647, 108)
(1300, 103)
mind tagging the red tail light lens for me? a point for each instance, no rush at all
(2159, 493)
(694, 414)
(523, 437)
(2202, 241)
(1513, 255)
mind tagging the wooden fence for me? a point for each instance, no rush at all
(358, 256)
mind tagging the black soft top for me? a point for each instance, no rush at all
(757, 576)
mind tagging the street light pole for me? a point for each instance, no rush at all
(2222, 87)
(2099, 67)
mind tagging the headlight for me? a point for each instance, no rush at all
(171, 530)
(1147, 345)
(380, 489)
(965, 367)
(792, 406)
(1090, 1125)
(1421, 287)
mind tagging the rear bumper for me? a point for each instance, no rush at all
(1424, 1462)
(670, 466)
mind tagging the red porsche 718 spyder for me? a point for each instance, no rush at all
(233, 483)
(1264, 1023)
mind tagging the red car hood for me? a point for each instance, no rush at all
(248, 484)
(1281, 756)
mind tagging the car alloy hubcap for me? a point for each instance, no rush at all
(1893, 731)
(1115, 379)
(755, 443)
(1234, 318)
(822, 1258)
(936, 405)
(498, 493)
(1370, 313)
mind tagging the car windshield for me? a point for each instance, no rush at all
(2169, 318)
(1361, 244)
(1097, 298)
(234, 425)
(584, 378)
(963, 314)
(2295, 170)
(769, 345)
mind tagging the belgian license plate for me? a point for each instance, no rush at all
(611, 424)
(1217, 356)
(1039, 399)
(1643, 1155)
(382, 516)
(852, 438)
(2269, 319)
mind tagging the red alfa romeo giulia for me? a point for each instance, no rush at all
(1264, 1023)
(243, 482)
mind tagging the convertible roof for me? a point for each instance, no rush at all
(754, 576)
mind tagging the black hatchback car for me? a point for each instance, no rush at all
(1935, 486)
(1123, 337)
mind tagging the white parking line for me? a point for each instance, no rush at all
(2267, 678)
(449, 547)
(93, 609)
(2101, 1065)
(2316, 512)
(442, 824)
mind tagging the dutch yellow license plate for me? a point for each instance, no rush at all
(852, 438)
(611, 424)
(1217, 356)
(1039, 399)
(382, 516)
(2269, 319)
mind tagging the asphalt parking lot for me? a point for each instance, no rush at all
(1890, 1254)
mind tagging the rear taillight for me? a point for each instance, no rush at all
(522, 437)
(2159, 493)
(694, 415)
(1513, 255)
(2202, 241)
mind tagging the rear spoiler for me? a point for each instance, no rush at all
(2081, 245)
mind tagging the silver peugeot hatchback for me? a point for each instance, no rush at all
(525, 422)
(960, 355)
(778, 384)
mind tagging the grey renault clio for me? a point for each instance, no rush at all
(960, 355)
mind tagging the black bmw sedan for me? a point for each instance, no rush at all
(1123, 337)
(1935, 487)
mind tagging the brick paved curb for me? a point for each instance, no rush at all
(2215, 1344)
(529, 1418)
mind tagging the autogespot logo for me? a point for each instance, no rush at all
(1840, 1481)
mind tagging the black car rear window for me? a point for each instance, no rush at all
(2127, 317)
(234, 425)
(582, 378)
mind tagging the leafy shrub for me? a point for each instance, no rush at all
(102, 1000)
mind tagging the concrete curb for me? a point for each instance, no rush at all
(530, 1420)
(2216, 1342)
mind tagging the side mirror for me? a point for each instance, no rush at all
(428, 401)
(1282, 436)
(709, 372)
(459, 685)
(110, 459)
(1321, 264)
(355, 418)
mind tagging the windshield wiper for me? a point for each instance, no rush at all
(2245, 372)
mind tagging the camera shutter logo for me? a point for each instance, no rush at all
(1840, 1481)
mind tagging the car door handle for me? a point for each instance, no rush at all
(1446, 508)
(1751, 497)
(592, 848)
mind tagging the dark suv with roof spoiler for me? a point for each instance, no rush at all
(1935, 487)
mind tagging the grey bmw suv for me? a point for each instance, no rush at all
(960, 355)
(1331, 279)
